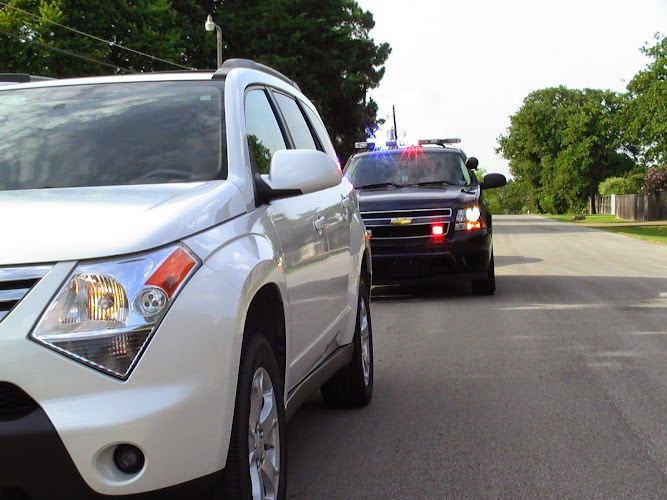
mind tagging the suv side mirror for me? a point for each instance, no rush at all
(298, 171)
(472, 163)
(493, 181)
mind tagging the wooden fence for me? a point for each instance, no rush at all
(636, 207)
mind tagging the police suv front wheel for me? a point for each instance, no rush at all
(486, 286)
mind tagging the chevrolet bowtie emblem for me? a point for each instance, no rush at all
(400, 221)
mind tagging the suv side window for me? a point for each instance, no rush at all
(264, 134)
(321, 132)
(298, 127)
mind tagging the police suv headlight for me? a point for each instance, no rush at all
(468, 219)
(107, 311)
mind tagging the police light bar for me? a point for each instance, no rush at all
(392, 144)
(364, 145)
(440, 142)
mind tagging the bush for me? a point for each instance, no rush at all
(655, 180)
(614, 185)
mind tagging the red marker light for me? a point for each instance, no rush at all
(437, 230)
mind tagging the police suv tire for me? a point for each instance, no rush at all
(352, 386)
(257, 445)
(486, 286)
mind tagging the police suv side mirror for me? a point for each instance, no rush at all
(298, 171)
(472, 163)
(493, 181)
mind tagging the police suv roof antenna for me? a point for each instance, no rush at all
(211, 26)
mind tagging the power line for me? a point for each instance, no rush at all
(67, 52)
(114, 44)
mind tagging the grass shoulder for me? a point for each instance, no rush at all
(586, 219)
(644, 231)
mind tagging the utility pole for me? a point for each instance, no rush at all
(393, 109)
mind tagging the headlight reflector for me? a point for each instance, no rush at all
(472, 214)
(91, 318)
(469, 219)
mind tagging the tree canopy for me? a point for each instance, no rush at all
(324, 45)
(645, 112)
(562, 143)
(35, 38)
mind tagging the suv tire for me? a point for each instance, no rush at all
(488, 285)
(353, 385)
(256, 461)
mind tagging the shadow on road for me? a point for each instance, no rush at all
(390, 293)
(510, 260)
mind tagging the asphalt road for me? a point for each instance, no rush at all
(555, 387)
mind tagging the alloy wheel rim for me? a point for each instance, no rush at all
(263, 438)
(365, 335)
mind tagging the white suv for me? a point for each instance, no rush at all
(182, 263)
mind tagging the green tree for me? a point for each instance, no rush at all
(509, 199)
(562, 143)
(645, 112)
(35, 39)
(324, 45)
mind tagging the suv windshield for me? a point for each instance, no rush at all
(409, 167)
(111, 134)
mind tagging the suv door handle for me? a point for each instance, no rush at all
(319, 224)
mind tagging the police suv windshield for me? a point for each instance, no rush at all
(111, 134)
(408, 167)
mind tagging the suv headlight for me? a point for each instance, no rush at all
(469, 219)
(107, 310)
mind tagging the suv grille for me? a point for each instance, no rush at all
(14, 403)
(15, 283)
(380, 224)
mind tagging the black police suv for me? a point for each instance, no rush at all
(425, 213)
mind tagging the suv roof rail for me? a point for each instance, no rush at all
(231, 64)
(22, 77)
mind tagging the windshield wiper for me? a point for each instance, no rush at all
(436, 183)
(380, 185)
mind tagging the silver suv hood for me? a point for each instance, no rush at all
(51, 225)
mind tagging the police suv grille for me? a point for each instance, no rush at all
(422, 212)
(405, 224)
(15, 283)
(14, 403)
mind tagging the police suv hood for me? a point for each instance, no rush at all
(409, 198)
(50, 225)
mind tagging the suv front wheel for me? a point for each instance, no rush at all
(256, 461)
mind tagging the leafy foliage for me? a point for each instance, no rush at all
(40, 46)
(509, 199)
(615, 185)
(645, 112)
(324, 45)
(562, 143)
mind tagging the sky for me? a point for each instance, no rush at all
(461, 68)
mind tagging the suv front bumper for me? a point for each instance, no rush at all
(35, 465)
(462, 256)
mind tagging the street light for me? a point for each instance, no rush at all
(210, 26)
